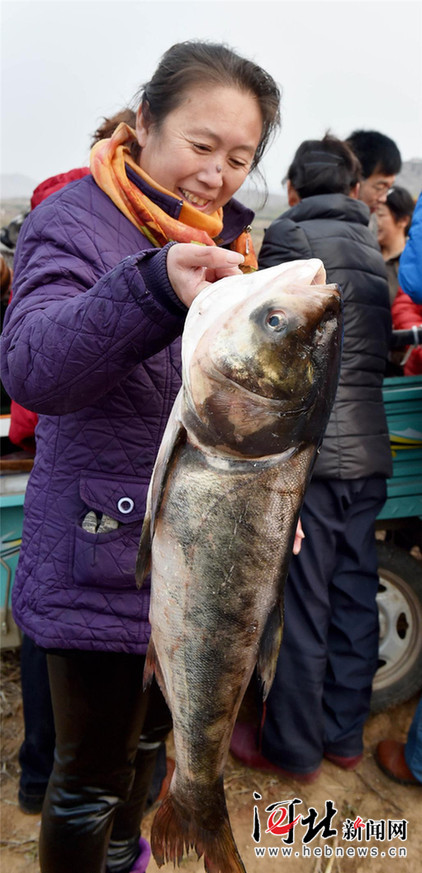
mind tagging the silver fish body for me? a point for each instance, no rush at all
(260, 367)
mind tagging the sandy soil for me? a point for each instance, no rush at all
(366, 793)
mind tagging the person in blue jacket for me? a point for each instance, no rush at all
(410, 267)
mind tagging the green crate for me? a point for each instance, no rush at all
(403, 405)
(11, 515)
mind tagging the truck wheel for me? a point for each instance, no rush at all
(399, 674)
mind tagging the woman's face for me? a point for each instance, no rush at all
(390, 231)
(203, 150)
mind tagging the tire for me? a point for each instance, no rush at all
(399, 675)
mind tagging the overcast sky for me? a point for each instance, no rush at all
(341, 64)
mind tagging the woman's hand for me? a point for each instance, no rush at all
(299, 536)
(192, 267)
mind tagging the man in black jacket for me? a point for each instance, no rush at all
(320, 698)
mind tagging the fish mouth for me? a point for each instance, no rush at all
(269, 402)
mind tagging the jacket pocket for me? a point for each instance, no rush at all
(107, 560)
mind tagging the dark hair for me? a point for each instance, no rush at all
(108, 125)
(401, 204)
(323, 166)
(191, 63)
(376, 152)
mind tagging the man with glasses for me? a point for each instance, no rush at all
(380, 160)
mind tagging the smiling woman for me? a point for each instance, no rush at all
(203, 164)
(106, 270)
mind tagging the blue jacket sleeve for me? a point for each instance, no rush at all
(74, 329)
(410, 266)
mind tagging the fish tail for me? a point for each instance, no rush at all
(172, 836)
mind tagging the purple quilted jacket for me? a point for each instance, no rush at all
(91, 343)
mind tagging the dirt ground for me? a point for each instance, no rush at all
(380, 803)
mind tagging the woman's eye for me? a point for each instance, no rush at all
(276, 320)
(238, 165)
(201, 147)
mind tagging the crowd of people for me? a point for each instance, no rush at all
(106, 266)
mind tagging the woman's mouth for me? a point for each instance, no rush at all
(199, 202)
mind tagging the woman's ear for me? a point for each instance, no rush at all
(403, 223)
(141, 128)
(292, 195)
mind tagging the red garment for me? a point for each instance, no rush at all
(22, 421)
(22, 427)
(54, 183)
(406, 313)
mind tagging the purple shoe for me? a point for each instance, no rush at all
(142, 860)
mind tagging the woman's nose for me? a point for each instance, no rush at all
(212, 173)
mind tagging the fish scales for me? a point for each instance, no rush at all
(224, 610)
(260, 367)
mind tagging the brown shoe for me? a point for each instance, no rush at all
(390, 758)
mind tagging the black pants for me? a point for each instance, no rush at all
(320, 697)
(36, 753)
(108, 732)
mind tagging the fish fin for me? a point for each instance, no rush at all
(152, 667)
(174, 436)
(150, 664)
(269, 649)
(172, 835)
(143, 560)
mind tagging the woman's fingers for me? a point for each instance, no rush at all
(215, 273)
(191, 266)
(192, 255)
(299, 536)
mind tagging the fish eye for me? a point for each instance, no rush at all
(276, 320)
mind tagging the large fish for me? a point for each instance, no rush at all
(260, 367)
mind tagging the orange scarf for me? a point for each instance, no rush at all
(108, 161)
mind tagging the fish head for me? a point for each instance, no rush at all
(261, 358)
